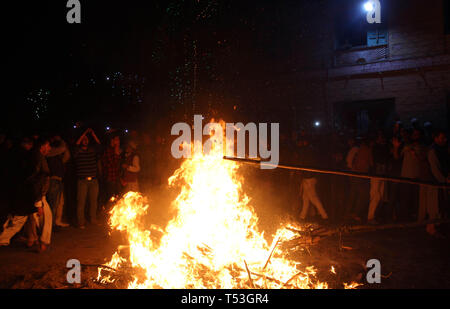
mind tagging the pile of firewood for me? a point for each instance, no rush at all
(313, 233)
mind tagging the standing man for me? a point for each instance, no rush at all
(308, 157)
(381, 155)
(29, 200)
(413, 155)
(362, 163)
(56, 159)
(438, 160)
(338, 184)
(131, 168)
(111, 168)
(86, 169)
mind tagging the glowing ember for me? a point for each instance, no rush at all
(213, 241)
(352, 285)
(333, 270)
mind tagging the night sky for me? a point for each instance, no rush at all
(178, 50)
(157, 57)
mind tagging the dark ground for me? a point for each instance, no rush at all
(409, 258)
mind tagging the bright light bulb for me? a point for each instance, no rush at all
(368, 6)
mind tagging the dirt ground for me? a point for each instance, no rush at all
(409, 259)
(21, 267)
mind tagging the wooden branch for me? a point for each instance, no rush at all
(99, 266)
(271, 252)
(287, 282)
(263, 276)
(314, 236)
(249, 276)
(340, 173)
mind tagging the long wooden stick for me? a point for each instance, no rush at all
(271, 252)
(340, 173)
(249, 275)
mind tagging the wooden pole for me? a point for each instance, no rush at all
(340, 173)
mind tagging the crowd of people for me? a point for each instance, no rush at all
(411, 153)
(40, 176)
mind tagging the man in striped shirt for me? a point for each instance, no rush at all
(86, 165)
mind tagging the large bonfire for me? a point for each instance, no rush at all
(212, 242)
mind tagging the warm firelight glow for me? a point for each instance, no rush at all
(212, 242)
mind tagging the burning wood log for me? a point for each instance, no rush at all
(313, 236)
(264, 276)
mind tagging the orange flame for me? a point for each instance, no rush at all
(212, 242)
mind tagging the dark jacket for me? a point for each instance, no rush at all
(56, 166)
(31, 182)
